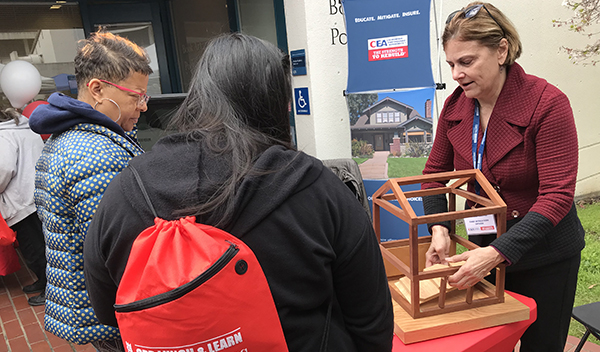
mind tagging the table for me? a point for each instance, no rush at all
(501, 338)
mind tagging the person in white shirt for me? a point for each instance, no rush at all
(20, 149)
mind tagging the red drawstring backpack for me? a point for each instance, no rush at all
(9, 259)
(7, 235)
(189, 287)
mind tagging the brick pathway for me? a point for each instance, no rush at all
(375, 168)
(23, 325)
(587, 347)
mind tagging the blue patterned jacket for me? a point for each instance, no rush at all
(72, 174)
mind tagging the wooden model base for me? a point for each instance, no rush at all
(411, 330)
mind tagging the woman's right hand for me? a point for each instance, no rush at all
(440, 246)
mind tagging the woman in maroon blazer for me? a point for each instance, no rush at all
(519, 130)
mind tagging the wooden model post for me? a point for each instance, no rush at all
(407, 257)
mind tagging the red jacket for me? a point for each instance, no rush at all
(531, 156)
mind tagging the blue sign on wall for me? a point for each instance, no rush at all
(302, 103)
(388, 45)
(393, 228)
(298, 58)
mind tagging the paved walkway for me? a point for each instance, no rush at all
(22, 326)
(375, 168)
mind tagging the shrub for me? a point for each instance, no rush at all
(362, 149)
(418, 149)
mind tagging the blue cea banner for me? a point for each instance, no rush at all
(388, 45)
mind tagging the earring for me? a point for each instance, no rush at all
(112, 101)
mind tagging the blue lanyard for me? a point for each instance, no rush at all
(477, 154)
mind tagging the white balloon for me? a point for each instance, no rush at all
(20, 82)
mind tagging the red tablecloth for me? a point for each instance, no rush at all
(501, 338)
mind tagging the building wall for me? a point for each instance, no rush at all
(312, 25)
(58, 45)
(318, 26)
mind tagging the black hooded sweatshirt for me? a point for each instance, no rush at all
(313, 239)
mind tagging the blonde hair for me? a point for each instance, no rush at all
(486, 30)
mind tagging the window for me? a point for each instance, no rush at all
(142, 34)
(32, 32)
(195, 22)
(396, 116)
(385, 117)
(257, 18)
(378, 117)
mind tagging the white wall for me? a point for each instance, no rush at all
(58, 45)
(325, 133)
(318, 26)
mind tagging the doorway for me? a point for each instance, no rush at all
(378, 142)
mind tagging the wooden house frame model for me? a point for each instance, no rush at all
(406, 258)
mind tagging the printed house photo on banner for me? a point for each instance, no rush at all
(392, 134)
(391, 121)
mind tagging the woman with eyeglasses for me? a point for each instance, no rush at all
(93, 139)
(519, 131)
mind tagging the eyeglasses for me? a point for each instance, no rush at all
(143, 97)
(472, 11)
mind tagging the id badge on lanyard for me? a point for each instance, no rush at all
(486, 224)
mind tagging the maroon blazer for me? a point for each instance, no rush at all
(531, 158)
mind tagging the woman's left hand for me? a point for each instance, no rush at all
(479, 262)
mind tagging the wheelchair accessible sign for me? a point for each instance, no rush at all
(302, 103)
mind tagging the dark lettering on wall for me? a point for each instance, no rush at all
(337, 37)
(335, 7)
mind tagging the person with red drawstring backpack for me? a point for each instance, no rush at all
(232, 169)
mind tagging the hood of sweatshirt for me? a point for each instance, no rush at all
(179, 172)
(64, 112)
(259, 195)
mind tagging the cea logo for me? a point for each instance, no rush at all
(388, 42)
(377, 43)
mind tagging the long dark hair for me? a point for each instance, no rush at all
(237, 107)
